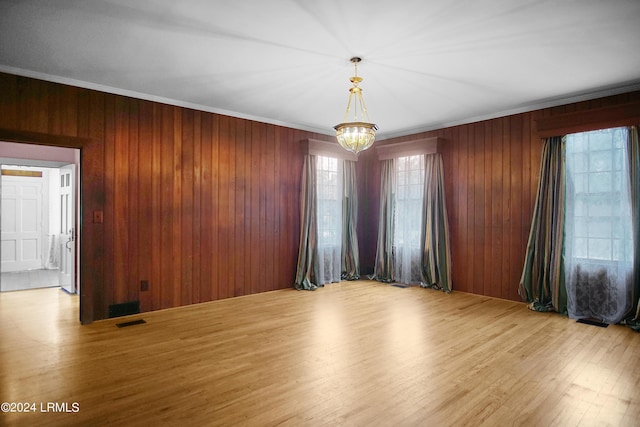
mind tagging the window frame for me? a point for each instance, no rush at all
(401, 203)
(582, 163)
(325, 195)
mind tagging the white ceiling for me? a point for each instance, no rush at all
(426, 63)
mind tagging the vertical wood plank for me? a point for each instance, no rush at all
(33, 111)
(267, 272)
(120, 200)
(477, 261)
(284, 274)
(215, 206)
(239, 210)
(156, 210)
(494, 250)
(145, 214)
(269, 253)
(54, 100)
(256, 274)
(518, 241)
(186, 206)
(109, 191)
(167, 267)
(84, 108)
(470, 231)
(69, 111)
(197, 208)
(277, 244)
(9, 104)
(505, 282)
(224, 244)
(93, 297)
(175, 202)
(206, 225)
(230, 172)
(133, 201)
(461, 148)
(249, 175)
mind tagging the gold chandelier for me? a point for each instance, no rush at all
(358, 134)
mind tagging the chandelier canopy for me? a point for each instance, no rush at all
(359, 134)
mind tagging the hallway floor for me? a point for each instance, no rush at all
(29, 279)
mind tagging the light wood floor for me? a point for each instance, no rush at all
(359, 353)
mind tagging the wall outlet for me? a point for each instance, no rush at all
(144, 285)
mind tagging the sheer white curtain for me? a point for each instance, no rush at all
(329, 219)
(409, 193)
(598, 243)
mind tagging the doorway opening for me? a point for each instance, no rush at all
(39, 233)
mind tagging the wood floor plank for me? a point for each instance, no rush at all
(353, 353)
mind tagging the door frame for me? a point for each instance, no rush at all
(91, 206)
(72, 232)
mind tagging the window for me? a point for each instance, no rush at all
(409, 190)
(598, 206)
(329, 199)
(329, 218)
(598, 245)
(413, 238)
(408, 201)
(328, 244)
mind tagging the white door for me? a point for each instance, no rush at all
(21, 223)
(67, 235)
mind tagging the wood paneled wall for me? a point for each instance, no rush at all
(491, 177)
(206, 206)
(201, 205)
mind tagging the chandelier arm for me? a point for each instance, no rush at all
(355, 107)
(363, 108)
(346, 114)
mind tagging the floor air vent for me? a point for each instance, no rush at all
(593, 322)
(124, 309)
(131, 323)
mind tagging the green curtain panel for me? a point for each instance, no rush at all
(434, 239)
(350, 254)
(633, 150)
(542, 283)
(307, 255)
(383, 270)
